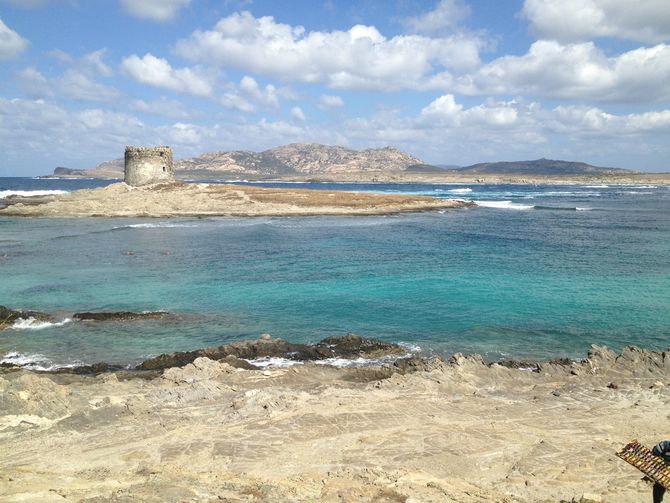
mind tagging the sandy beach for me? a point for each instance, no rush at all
(199, 199)
(427, 431)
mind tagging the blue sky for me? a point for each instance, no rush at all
(451, 81)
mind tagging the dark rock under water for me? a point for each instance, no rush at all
(349, 346)
(118, 316)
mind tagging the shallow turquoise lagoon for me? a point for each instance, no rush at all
(531, 272)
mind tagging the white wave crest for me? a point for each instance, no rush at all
(411, 347)
(358, 362)
(460, 191)
(278, 362)
(567, 193)
(29, 193)
(505, 205)
(34, 324)
(34, 361)
(155, 225)
(595, 186)
(583, 209)
(274, 362)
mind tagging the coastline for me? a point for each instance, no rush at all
(457, 430)
(201, 199)
(409, 178)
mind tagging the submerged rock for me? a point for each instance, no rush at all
(349, 346)
(9, 316)
(119, 316)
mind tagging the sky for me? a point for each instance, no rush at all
(453, 82)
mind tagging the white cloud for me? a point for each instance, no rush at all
(249, 95)
(445, 112)
(445, 131)
(155, 10)
(584, 120)
(181, 134)
(77, 85)
(446, 15)
(32, 83)
(111, 122)
(360, 58)
(77, 82)
(297, 113)
(581, 20)
(327, 101)
(55, 136)
(163, 107)
(11, 43)
(157, 72)
(511, 116)
(93, 61)
(576, 71)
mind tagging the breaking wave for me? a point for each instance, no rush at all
(35, 324)
(509, 205)
(156, 225)
(504, 205)
(29, 193)
(34, 361)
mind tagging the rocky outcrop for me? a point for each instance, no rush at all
(119, 316)
(633, 361)
(10, 316)
(349, 346)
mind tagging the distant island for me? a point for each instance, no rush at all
(316, 162)
(543, 167)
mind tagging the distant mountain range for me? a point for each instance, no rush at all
(300, 159)
(541, 167)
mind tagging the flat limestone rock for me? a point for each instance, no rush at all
(198, 199)
(463, 431)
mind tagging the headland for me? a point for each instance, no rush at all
(176, 199)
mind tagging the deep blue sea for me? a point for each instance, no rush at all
(532, 272)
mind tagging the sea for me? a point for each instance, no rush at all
(530, 272)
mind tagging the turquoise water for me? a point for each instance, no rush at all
(531, 277)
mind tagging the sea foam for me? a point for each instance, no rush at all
(505, 205)
(155, 225)
(30, 193)
(34, 361)
(34, 324)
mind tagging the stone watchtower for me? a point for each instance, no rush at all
(146, 165)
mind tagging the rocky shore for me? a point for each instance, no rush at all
(198, 199)
(424, 430)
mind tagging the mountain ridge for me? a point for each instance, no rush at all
(305, 159)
